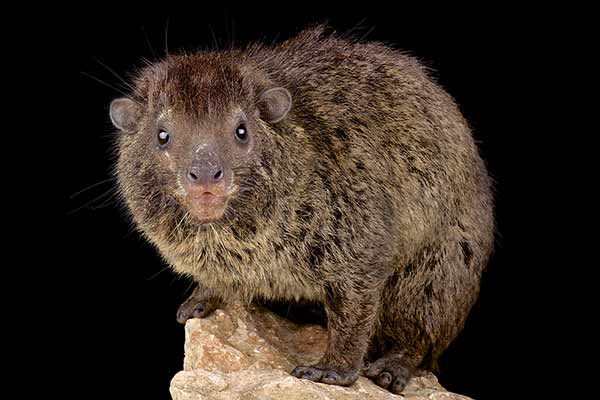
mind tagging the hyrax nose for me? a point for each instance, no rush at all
(206, 168)
(205, 175)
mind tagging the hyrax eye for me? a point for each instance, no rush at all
(163, 138)
(241, 133)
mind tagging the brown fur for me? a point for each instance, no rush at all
(369, 196)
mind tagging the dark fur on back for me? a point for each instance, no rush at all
(370, 195)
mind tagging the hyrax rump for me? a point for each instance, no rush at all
(320, 169)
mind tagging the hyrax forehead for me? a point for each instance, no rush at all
(201, 92)
(199, 88)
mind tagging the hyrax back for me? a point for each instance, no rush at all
(319, 169)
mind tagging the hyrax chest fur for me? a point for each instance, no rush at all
(320, 169)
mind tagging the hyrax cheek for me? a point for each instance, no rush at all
(167, 162)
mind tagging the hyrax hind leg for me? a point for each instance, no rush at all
(392, 370)
(387, 363)
(423, 307)
(202, 302)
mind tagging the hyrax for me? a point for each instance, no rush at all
(320, 169)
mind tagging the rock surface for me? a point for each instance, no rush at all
(247, 353)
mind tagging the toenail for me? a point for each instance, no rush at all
(399, 384)
(384, 379)
(331, 376)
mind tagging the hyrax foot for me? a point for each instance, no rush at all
(391, 372)
(326, 374)
(201, 303)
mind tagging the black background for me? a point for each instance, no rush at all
(113, 325)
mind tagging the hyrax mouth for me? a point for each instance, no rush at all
(207, 204)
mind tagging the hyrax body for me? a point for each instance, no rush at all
(320, 169)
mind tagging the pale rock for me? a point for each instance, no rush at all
(247, 352)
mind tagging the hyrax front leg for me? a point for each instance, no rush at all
(350, 317)
(201, 303)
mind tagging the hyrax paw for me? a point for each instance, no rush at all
(196, 309)
(326, 375)
(388, 372)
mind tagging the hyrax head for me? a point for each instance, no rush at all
(195, 136)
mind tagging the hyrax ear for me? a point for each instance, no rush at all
(274, 104)
(124, 114)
